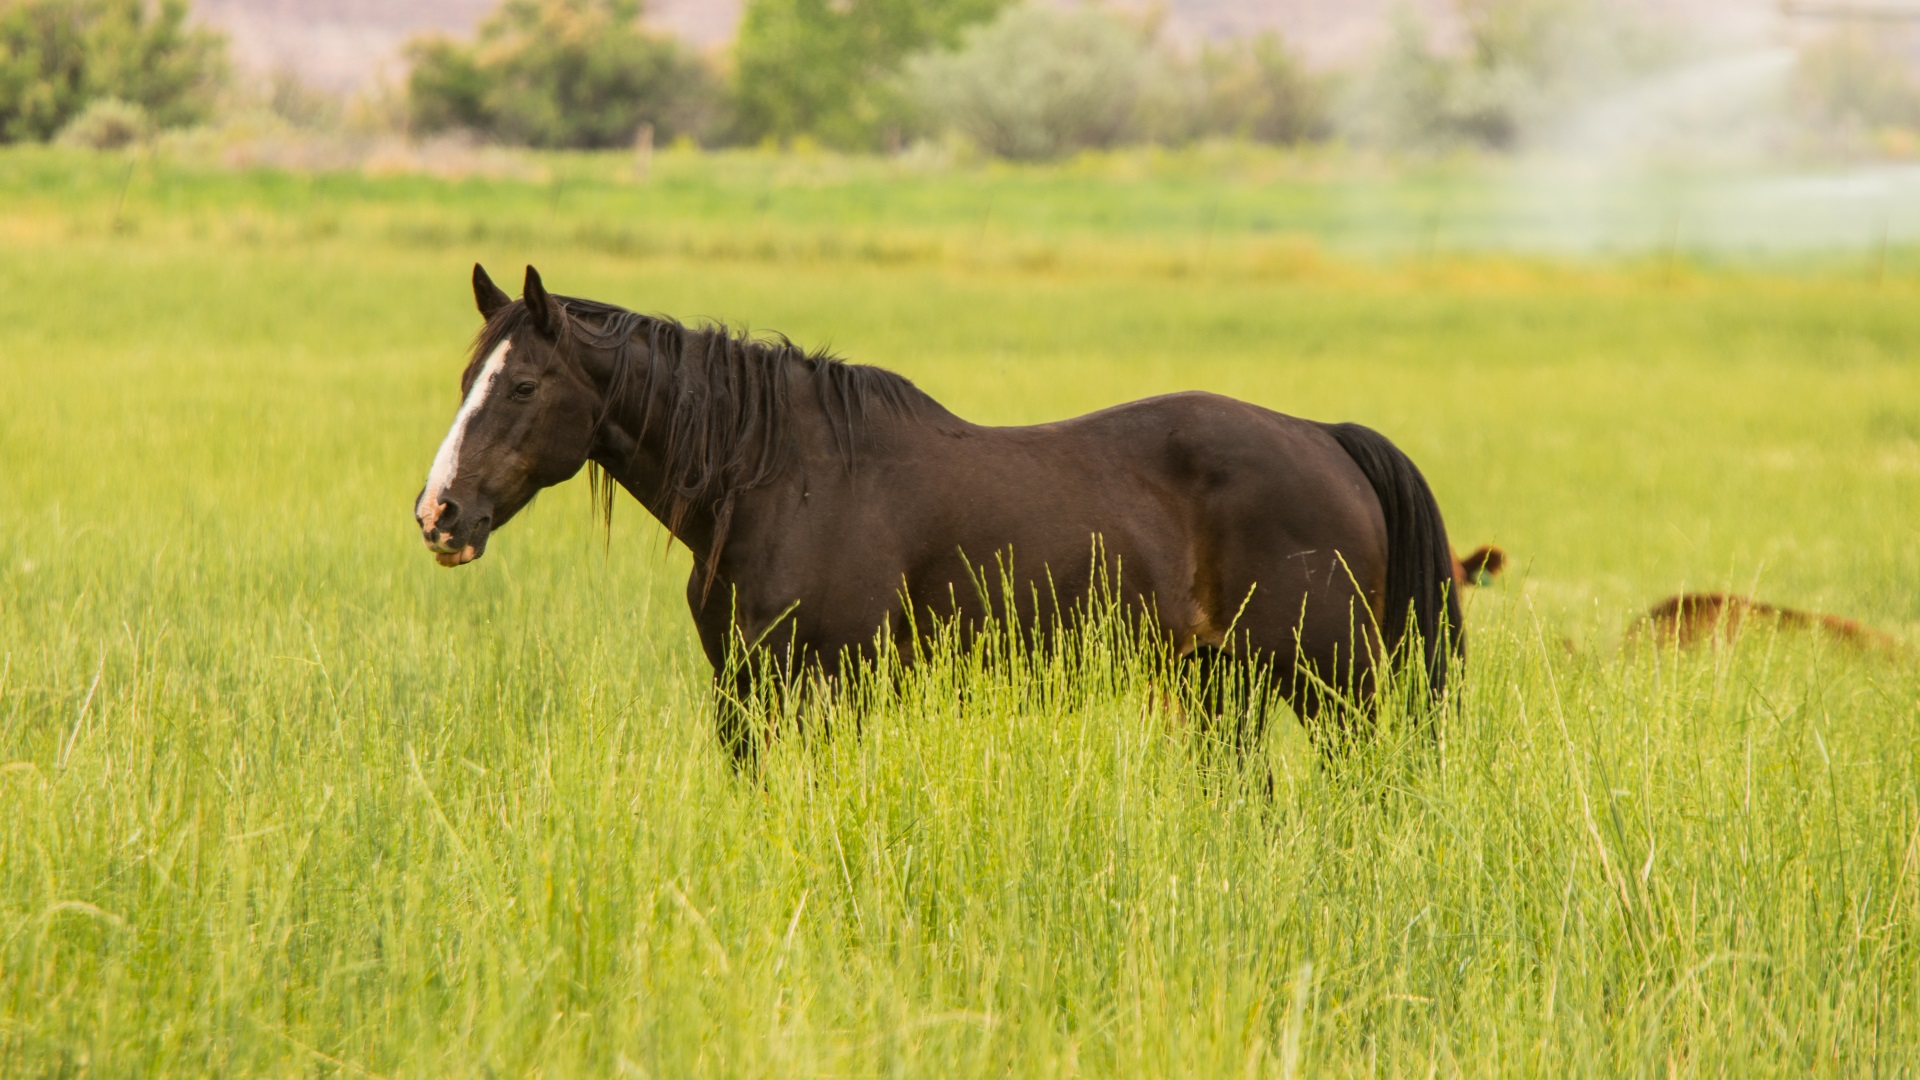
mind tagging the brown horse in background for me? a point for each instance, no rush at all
(1696, 618)
(832, 508)
(1479, 567)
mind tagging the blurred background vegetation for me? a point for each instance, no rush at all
(562, 74)
(1018, 80)
(103, 69)
(286, 798)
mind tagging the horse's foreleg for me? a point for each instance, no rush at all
(752, 658)
(740, 720)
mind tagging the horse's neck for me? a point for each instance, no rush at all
(632, 449)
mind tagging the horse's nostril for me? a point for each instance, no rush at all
(449, 513)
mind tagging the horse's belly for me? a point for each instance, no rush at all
(1054, 564)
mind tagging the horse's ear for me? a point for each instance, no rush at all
(487, 296)
(1481, 566)
(542, 308)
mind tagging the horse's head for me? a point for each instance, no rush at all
(526, 422)
(1479, 567)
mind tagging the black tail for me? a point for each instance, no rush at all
(1419, 559)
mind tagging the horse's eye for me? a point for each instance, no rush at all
(523, 391)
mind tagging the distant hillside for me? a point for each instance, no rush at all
(342, 44)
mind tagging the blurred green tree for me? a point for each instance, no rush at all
(562, 73)
(827, 68)
(59, 56)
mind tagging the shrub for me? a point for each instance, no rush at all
(297, 102)
(1524, 64)
(828, 68)
(562, 73)
(1851, 83)
(57, 57)
(1256, 88)
(107, 124)
(1038, 82)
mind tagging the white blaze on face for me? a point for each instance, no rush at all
(440, 477)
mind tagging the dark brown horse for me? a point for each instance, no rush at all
(831, 507)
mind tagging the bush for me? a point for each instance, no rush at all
(292, 99)
(107, 124)
(57, 57)
(1525, 63)
(1851, 84)
(562, 73)
(829, 68)
(1038, 82)
(1255, 88)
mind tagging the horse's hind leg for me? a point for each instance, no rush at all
(1327, 720)
(1229, 695)
(1334, 700)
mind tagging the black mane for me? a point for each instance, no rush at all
(729, 429)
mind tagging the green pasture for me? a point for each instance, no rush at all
(280, 796)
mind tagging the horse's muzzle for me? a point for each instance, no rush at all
(455, 537)
(457, 558)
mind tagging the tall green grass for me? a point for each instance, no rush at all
(282, 796)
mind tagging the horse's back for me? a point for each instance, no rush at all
(1236, 458)
(1265, 522)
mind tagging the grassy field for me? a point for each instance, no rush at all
(281, 796)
